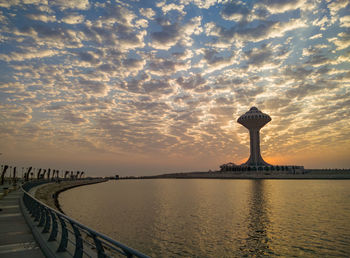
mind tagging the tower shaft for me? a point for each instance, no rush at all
(255, 158)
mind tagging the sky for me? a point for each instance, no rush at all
(149, 87)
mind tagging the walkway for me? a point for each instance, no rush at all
(16, 239)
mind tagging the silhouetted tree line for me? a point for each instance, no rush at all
(29, 173)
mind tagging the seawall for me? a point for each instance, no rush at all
(48, 193)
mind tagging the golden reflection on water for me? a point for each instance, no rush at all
(219, 218)
(257, 242)
(198, 217)
(310, 217)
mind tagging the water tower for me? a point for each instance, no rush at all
(254, 120)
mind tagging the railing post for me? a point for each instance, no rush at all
(129, 255)
(42, 215)
(54, 230)
(99, 247)
(47, 221)
(64, 236)
(37, 212)
(27, 202)
(78, 242)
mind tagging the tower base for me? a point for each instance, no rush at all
(260, 162)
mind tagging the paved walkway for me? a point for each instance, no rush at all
(16, 239)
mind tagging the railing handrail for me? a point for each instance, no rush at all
(126, 249)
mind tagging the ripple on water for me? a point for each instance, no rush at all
(219, 218)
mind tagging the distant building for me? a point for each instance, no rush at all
(229, 167)
(287, 169)
(254, 120)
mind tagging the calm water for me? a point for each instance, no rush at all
(219, 218)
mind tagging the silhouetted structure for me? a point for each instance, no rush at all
(43, 174)
(254, 120)
(31, 173)
(3, 173)
(230, 167)
(57, 173)
(14, 179)
(38, 175)
(26, 178)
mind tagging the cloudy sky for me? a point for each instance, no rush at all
(145, 87)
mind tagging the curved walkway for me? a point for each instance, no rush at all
(16, 239)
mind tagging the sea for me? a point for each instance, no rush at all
(218, 218)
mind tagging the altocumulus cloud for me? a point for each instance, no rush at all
(163, 83)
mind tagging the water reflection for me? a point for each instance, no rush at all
(257, 241)
(219, 218)
(199, 218)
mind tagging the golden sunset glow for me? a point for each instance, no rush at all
(142, 87)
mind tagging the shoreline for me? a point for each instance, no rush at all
(248, 177)
(252, 178)
(307, 175)
(48, 193)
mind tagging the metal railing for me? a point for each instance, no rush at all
(71, 237)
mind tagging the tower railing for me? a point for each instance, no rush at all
(62, 236)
